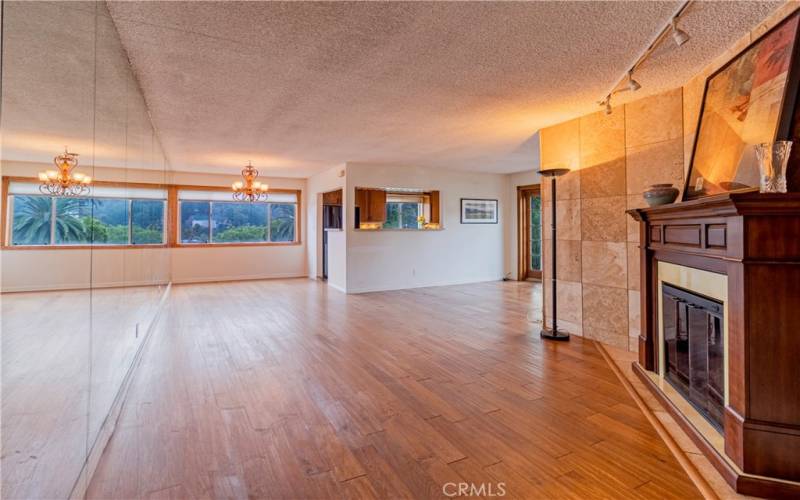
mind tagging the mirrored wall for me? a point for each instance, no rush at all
(84, 260)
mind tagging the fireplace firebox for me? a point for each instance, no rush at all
(694, 357)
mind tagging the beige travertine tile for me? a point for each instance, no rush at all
(634, 313)
(654, 164)
(568, 218)
(634, 201)
(545, 190)
(568, 187)
(603, 179)
(602, 138)
(654, 119)
(568, 260)
(603, 219)
(566, 326)
(634, 265)
(608, 337)
(604, 263)
(605, 314)
(633, 344)
(560, 145)
(570, 303)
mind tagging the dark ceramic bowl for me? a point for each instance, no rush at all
(660, 194)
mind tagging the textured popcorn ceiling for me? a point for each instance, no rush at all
(298, 87)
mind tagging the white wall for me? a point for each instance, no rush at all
(27, 270)
(197, 265)
(459, 253)
(323, 182)
(49, 269)
(337, 260)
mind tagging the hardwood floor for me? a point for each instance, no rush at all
(65, 355)
(288, 389)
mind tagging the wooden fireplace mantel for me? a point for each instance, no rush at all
(753, 239)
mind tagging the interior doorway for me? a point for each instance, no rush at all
(331, 220)
(529, 232)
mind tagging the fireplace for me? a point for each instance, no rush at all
(718, 343)
(694, 354)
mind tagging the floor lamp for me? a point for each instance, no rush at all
(553, 333)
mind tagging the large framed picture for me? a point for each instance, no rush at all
(478, 211)
(748, 101)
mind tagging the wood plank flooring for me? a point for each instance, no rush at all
(65, 354)
(289, 389)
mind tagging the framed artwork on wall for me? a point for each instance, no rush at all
(750, 100)
(478, 211)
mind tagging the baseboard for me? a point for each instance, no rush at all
(392, 288)
(81, 286)
(336, 287)
(685, 462)
(110, 422)
(221, 279)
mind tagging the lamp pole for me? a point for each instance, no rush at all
(553, 333)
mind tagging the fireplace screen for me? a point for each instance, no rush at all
(693, 350)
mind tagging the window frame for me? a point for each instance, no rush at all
(267, 205)
(172, 237)
(177, 222)
(7, 218)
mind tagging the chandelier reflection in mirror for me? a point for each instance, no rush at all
(64, 182)
(251, 189)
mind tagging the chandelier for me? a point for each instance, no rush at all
(63, 182)
(251, 189)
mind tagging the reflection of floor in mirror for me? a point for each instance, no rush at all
(48, 411)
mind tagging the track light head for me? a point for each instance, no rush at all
(633, 85)
(678, 34)
(608, 105)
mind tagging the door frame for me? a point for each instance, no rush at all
(325, 198)
(524, 194)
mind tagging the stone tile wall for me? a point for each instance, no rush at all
(614, 159)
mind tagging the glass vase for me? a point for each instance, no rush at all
(772, 160)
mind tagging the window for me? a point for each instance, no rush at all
(32, 222)
(195, 223)
(87, 221)
(147, 222)
(112, 216)
(535, 232)
(282, 221)
(239, 222)
(403, 210)
(402, 215)
(209, 217)
(136, 215)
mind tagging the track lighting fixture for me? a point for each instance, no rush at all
(678, 34)
(633, 85)
(607, 103)
(626, 82)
